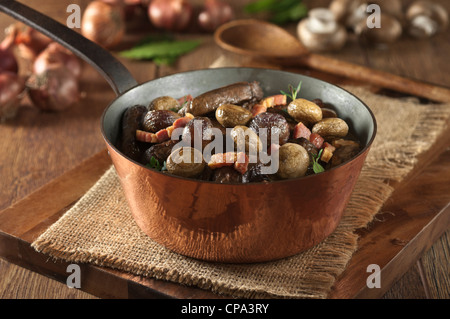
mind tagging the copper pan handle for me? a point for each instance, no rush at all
(377, 78)
(118, 77)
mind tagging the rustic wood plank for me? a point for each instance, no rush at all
(28, 213)
(34, 289)
(402, 288)
(436, 267)
(424, 60)
(404, 232)
(46, 137)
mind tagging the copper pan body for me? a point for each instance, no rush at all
(236, 223)
(217, 222)
(247, 222)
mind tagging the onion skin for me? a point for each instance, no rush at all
(11, 89)
(114, 2)
(55, 55)
(8, 61)
(172, 15)
(103, 24)
(56, 89)
(215, 13)
(30, 42)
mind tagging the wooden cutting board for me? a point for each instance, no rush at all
(416, 215)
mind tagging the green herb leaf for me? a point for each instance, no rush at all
(281, 11)
(317, 168)
(164, 51)
(154, 163)
(259, 6)
(295, 13)
(292, 92)
(156, 38)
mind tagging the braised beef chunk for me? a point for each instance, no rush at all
(319, 102)
(200, 128)
(270, 122)
(345, 150)
(309, 147)
(131, 121)
(159, 151)
(206, 175)
(254, 174)
(240, 93)
(133, 149)
(156, 120)
(226, 175)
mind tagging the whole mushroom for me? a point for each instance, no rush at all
(351, 12)
(390, 31)
(347, 12)
(426, 19)
(392, 7)
(321, 32)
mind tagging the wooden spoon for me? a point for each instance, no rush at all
(257, 38)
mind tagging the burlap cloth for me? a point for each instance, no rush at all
(100, 230)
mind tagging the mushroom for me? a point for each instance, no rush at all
(391, 7)
(343, 9)
(426, 19)
(352, 12)
(321, 32)
(390, 30)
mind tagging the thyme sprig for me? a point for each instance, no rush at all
(292, 92)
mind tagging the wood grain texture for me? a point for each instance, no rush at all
(38, 147)
(393, 242)
(402, 288)
(436, 274)
(35, 289)
(393, 233)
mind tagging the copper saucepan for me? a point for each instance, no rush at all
(220, 222)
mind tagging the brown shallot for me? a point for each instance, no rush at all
(55, 89)
(214, 14)
(54, 55)
(172, 15)
(8, 61)
(103, 23)
(29, 41)
(11, 89)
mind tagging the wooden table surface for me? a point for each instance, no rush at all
(38, 147)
